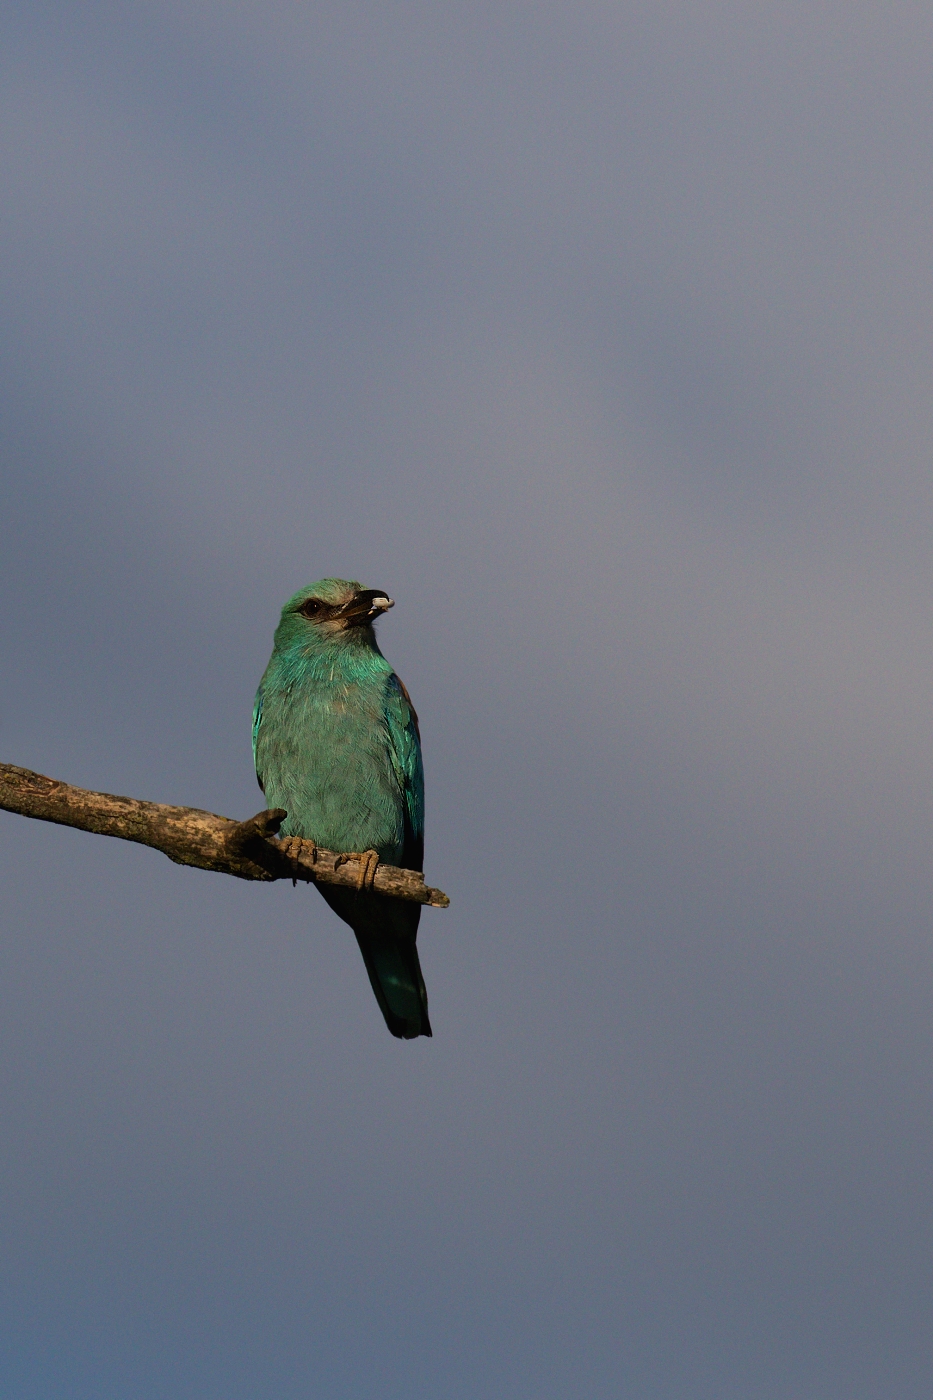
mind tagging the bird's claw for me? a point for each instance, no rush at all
(293, 850)
(369, 863)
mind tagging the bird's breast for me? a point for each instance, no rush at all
(324, 754)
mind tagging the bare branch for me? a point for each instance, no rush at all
(189, 836)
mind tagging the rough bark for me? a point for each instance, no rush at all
(189, 836)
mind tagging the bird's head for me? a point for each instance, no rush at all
(333, 610)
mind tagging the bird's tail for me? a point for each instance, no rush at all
(386, 930)
(395, 975)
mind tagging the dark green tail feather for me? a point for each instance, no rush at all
(386, 930)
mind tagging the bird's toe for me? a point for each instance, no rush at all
(369, 863)
(293, 849)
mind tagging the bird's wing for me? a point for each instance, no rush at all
(257, 721)
(405, 752)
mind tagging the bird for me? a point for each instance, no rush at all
(336, 744)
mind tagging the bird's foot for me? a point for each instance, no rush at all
(369, 863)
(293, 848)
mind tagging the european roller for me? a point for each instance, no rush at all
(335, 742)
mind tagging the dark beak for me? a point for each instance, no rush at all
(367, 604)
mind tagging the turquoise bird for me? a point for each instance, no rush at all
(336, 744)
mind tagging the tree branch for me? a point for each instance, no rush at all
(189, 836)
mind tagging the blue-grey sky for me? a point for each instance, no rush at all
(601, 336)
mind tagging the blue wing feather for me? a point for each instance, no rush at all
(405, 753)
(257, 721)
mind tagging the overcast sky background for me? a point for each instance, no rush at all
(601, 336)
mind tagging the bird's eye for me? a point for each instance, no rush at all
(311, 607)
